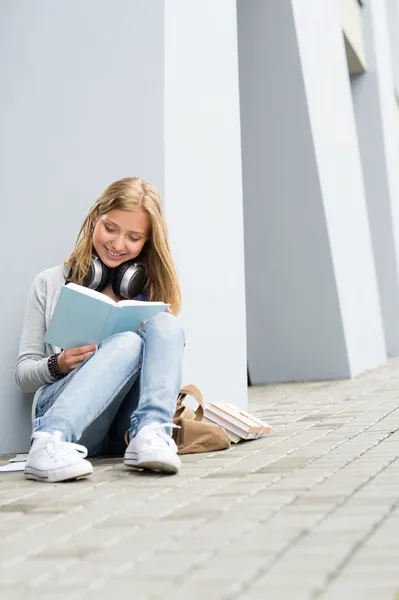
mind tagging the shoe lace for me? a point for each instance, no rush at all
(159, 429)
(56, 448)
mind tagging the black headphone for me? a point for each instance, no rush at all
(128, 279)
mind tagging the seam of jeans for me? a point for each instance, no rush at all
(45, 408)
(144, 328)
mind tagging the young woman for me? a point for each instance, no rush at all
(88, 397)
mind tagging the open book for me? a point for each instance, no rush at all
(83, 316)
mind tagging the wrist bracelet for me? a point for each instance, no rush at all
(53, 366)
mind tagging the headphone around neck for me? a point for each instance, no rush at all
(128, 280)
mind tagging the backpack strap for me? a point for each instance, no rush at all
(191, 390)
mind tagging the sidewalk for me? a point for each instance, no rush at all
(310, 511)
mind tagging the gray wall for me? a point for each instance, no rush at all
(375, 112)
(392, 10)
(288, 292)
(81, 105)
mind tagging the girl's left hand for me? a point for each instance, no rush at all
(168, 310)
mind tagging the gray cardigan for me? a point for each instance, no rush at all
(31, 370)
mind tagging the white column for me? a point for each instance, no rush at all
(203, 191)
(312, 301)
(376, 118)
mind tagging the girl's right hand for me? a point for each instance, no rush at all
(71, 358)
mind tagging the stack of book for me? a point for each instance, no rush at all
(238, 423)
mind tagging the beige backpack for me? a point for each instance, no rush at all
(193, 435)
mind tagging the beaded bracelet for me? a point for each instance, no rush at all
(53, 367)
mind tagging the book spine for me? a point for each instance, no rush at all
(229, 426)
(233, 436)
(231, 418)
(110, 322)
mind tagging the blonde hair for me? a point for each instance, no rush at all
(132, 193)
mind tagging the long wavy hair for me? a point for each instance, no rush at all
(132, 193)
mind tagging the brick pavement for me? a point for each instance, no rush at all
(309, 512)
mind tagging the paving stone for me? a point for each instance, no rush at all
(309, 512)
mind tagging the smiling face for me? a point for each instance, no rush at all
(120, 235)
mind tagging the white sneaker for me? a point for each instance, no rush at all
(50, 459)
(152, 448)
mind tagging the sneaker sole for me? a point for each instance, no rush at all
(154, 464)
(71, 473)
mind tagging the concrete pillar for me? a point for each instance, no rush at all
(203, 191)
(312, 301)
(375, 111)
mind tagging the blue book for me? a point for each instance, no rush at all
(83, 316)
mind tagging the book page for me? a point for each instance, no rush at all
(140, 303)
(225, 412)
(238, 413)
(88, 292)
(14, 466)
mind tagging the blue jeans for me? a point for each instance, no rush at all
(131, 380)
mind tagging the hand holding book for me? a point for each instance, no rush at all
(69, 359)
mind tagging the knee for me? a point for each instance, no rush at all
(127, 343)
(166, 326)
